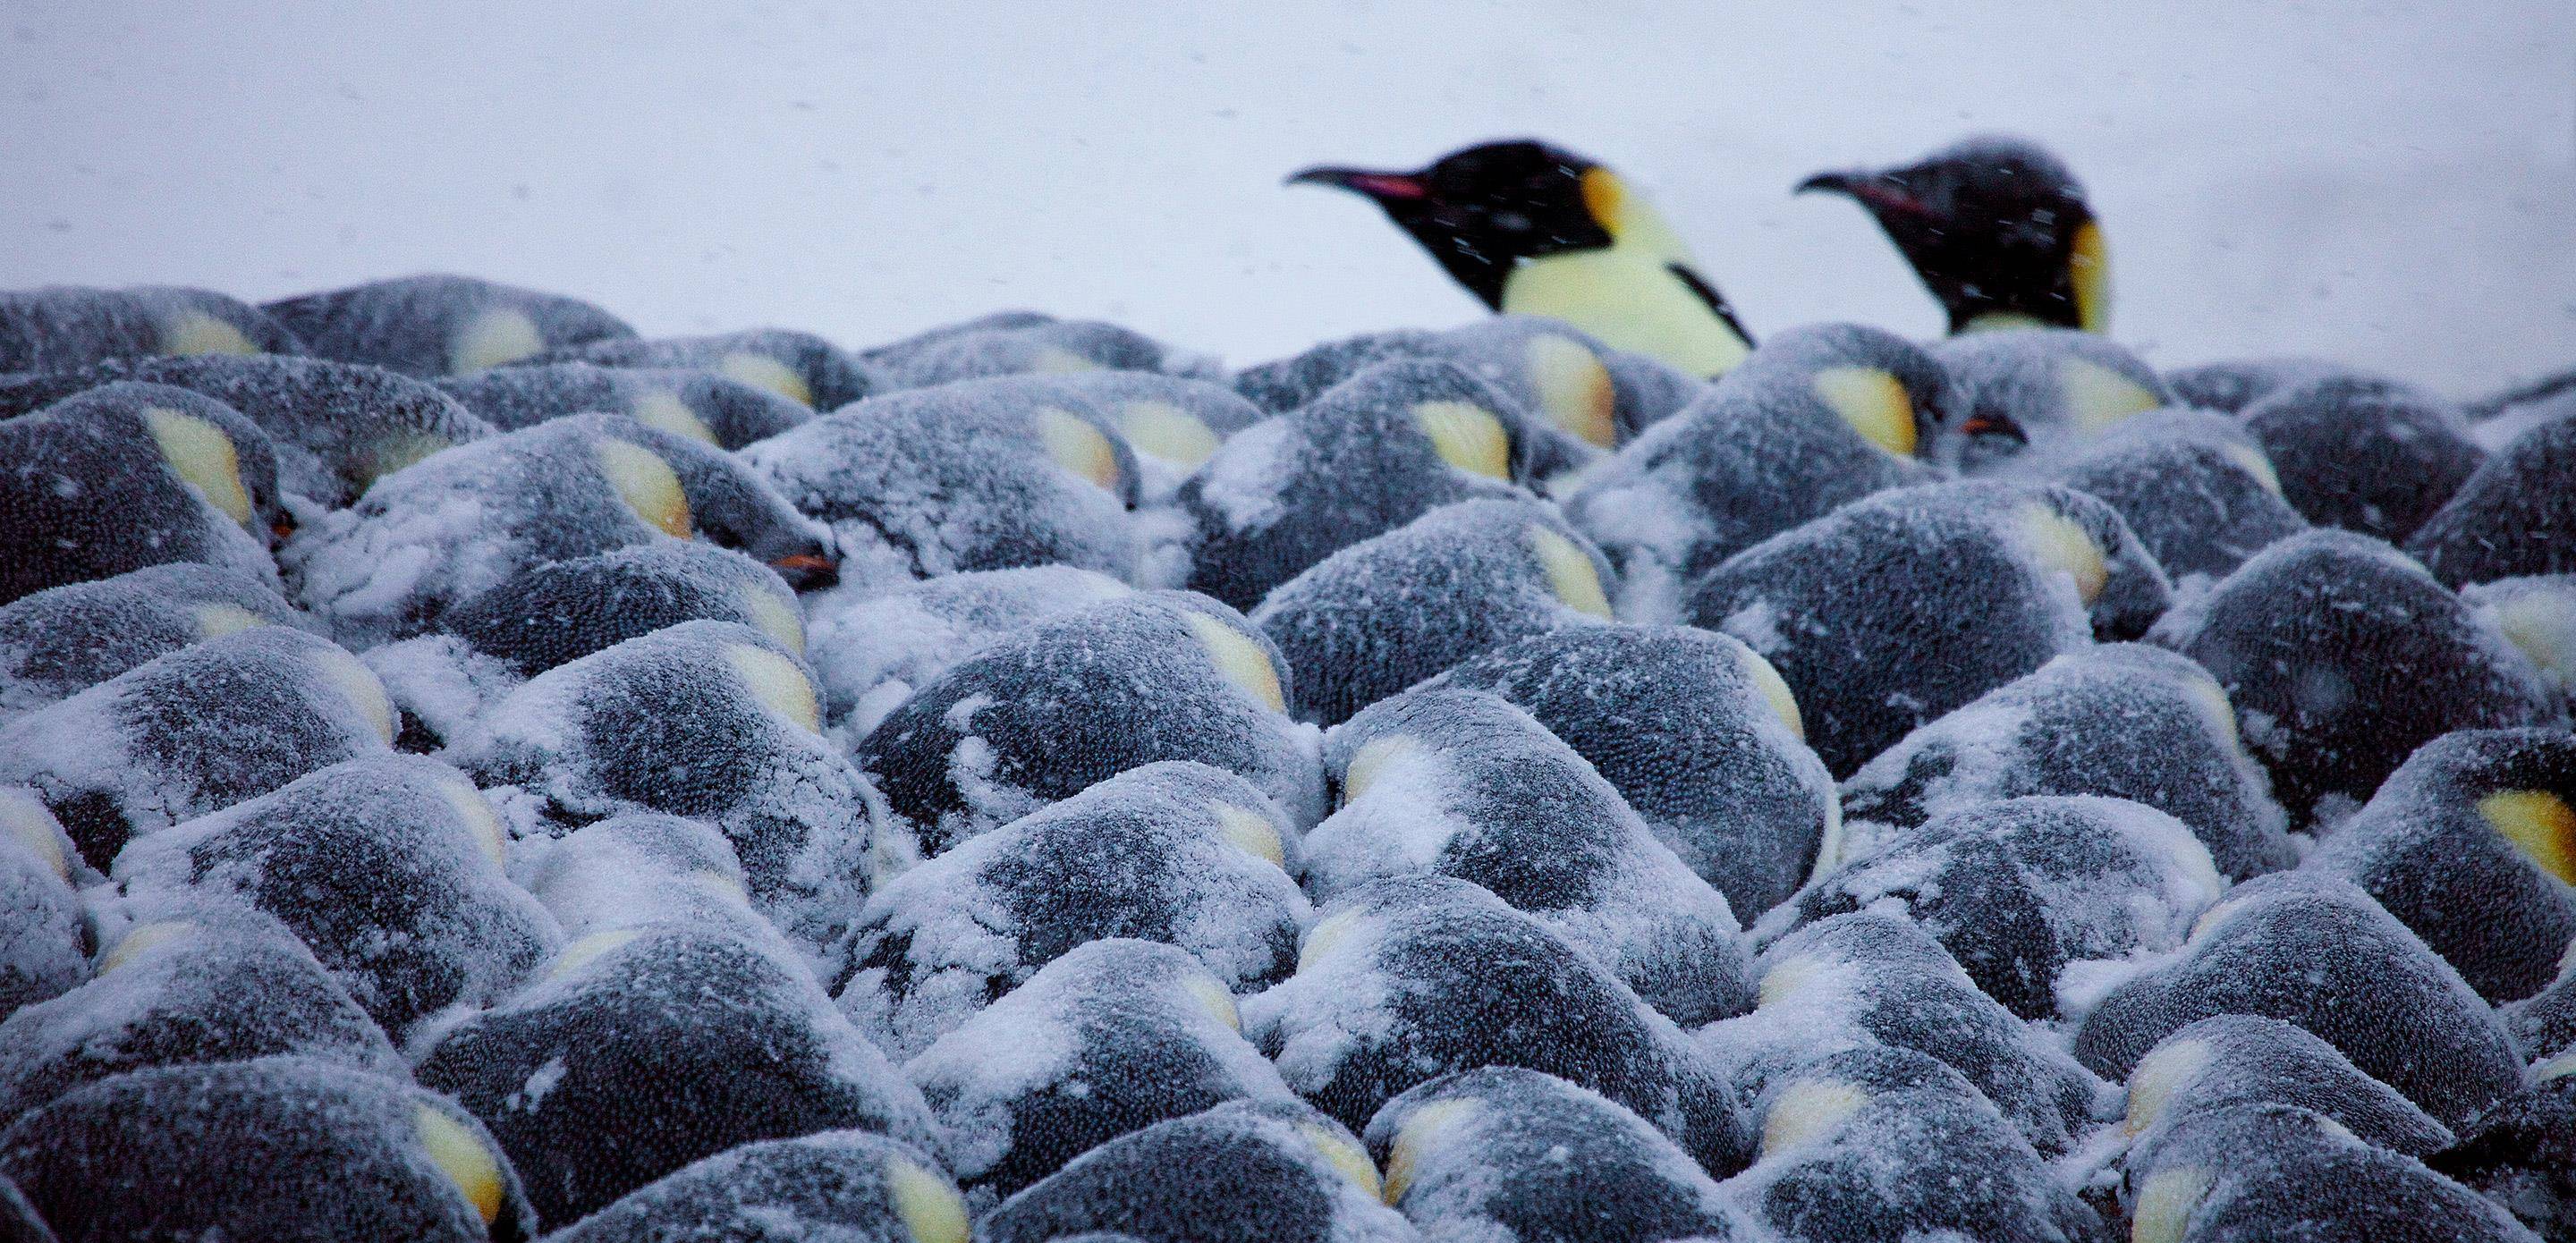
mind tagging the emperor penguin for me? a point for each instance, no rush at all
(1532, 229)
(1998, 230)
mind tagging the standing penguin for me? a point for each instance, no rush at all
(1997, 228)
(1532, 229)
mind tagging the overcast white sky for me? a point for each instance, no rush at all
(2393, 184)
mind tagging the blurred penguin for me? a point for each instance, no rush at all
(1532, 229)
(1998, 230)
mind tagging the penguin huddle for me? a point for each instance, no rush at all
(471, 771)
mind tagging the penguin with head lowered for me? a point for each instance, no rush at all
(1997, 228)
(1532, 229)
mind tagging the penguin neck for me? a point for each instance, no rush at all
(1631, 299)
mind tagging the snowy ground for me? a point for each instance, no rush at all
(2392, 184)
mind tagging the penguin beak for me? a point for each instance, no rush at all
(807, 571)
(1871, 190)
(1383, 187)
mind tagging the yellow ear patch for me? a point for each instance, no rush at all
(1574, 388)
(1807, 1111)
(1166, 431)
(2098, 398)
(26, 820)
(778, 684)
(141, 938)
(398, 451)
(1423, 1134)
(762, 371)
(1570, 572)
(357, 683)
(496, 337)
(478, 818)
(646, 483)
(2088, 267)
(1371, 760)
(1786, 978)
(203, 455)
(776, 618)
(580, 953)
(2002, 321)
(931, 1210)
(1606, 198)
(2543, 625)
(2165, 1201)
(461, 1156)
(2158, 1076)
(664, 411)
(195, 332)
(2212, 699)
(1327, 933)
(218, 619)
(1239, 659)
(711, 881)
(2540, 824)
(1874, 402)
(1212, 997)
(1057, 360)
(1352, 1160)
(1252, 831)
(1466, 436)
(1074, 444)
(2058, 542)
(1774, 688)
(2212, 918)
(1829, 844)
(2257, 465)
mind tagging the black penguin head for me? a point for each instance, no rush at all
(1997, 228)
(1483, 209)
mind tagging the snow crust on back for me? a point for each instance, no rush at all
(61, 327)
(194, 732)
(942, 481)
(1045, 713)
(1973, 584)
(696, 720)
(1410, 978)
(1865, 978)
(872, 649)
(64, 640)
(643, 1053)
(2027, 892)
(1111, 1038)
(432, 325)
(1460, 783)
(390, 867)
(2193, 486)
(2341, 655)
(215, 983)
(1679, 720)
(1243, 1172)
(338, 427)
(2122, 721)
(729, 412)
(1170, 852)
(1505, 1153)
(1388, 612)
(1024, 342)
